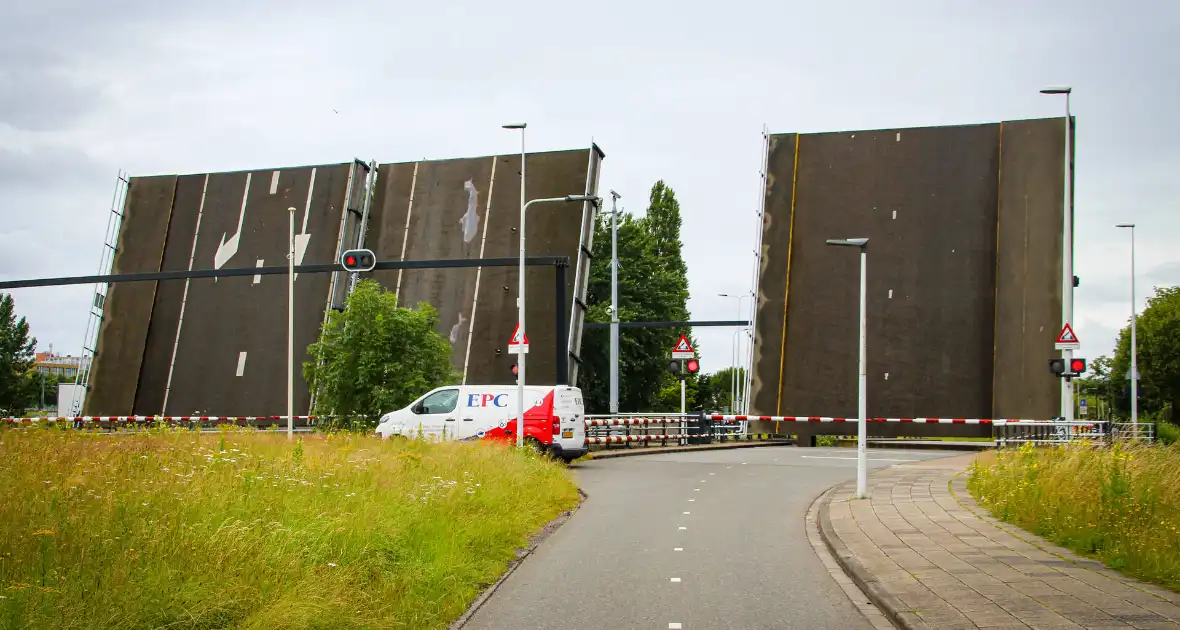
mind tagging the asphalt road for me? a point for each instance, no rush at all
(708, 539)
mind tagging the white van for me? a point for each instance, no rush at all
(554, 417)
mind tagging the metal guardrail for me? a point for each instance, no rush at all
(663, 428)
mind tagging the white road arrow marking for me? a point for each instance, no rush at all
(302, 238)
(228, 248)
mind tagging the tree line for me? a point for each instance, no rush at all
(1157, 341)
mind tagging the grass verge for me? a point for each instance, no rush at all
(187, 530)
(1119, 504)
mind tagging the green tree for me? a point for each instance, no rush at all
(653, 286)
(17, 358)
(375, 357)
(1097, 388)
(1157, 337)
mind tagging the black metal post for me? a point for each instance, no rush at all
(561, 345)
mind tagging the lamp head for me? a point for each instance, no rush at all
(1125, 225)
(590, 198)
(1057, 90)
(848, 242)
(515, 125)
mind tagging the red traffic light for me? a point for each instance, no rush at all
(358, 260)
(1077, 366)
(515, 370)
(693, 366)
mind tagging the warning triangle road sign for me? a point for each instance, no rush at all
(1067, 339)
(682, 349)
(1067, 335)
(516, 340)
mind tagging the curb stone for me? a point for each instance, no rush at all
(521, 555)
(893, 608)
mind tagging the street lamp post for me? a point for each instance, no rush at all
(1134, 375)
(862, 477)
(291, 325)
(520, 308)
(733, 379)
(614, 302)
(1067, 277)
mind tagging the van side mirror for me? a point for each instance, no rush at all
(417, 408)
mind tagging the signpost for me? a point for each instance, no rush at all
(517, 345)
(1082, 407)
(683, 350)
(1067, 342)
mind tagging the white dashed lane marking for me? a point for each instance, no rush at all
(688, 512)
(675, 579)
(678, 549)
(683, 527)
(674, 626)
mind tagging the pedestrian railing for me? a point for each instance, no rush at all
(1049, 432)
(1141, 431)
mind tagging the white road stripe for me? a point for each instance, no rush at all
(688, 512)
(397, 292)
(487, 215)
(184, 298)
(678, 549)
(258, 278)
(674, 626)
(683, 527)
(691, 500)
(675, 579)
(871, 459)
(241, 363)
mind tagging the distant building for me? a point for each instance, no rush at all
(64, 366)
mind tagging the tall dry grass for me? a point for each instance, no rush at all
(1120, 504)
(182, 530)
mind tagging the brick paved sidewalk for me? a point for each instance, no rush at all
(930, 557)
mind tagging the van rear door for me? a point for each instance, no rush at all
(570, 412)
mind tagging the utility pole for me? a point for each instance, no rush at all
(614, 306)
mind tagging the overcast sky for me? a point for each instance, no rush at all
(672, 90)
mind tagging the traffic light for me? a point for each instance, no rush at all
(358, 260)
(693, 366)
(674, 366)
(515, 370)
(1074, 367)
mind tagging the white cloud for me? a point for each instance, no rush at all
(677, 91)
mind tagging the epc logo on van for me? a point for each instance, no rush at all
(482, 400)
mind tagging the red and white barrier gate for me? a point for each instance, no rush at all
(622, 439)
(731, 418)
(135, 419)
(618, 422)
